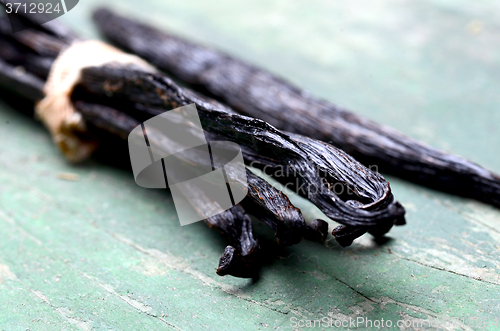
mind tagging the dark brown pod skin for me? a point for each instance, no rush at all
(263, 200)
(307, 161)
(232, 263)
(18, 49)
(240, 259)
(376, 203)
(280, 214)
(20, 82)
(257, 93)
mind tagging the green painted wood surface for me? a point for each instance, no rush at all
(101, 253)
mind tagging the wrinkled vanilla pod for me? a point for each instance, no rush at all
(241, 258)
(377, 215)
(263, 200)
(308, 173)
(266, 202)
(257, 93)
(368, 200)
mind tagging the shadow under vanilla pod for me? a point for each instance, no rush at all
(116, 98)
(248, 89)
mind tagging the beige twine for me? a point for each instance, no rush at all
(56, 110)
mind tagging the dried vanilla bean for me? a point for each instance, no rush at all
(263, 200)
(17, 80)
(257, 93)
(240, 259)
(388, 211)
(371, 202)
(276, 209)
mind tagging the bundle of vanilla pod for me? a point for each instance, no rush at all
(83, 90)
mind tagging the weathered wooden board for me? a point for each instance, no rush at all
(101, 253)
